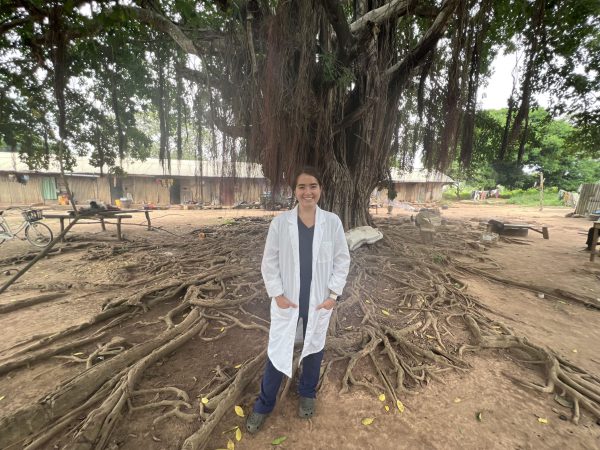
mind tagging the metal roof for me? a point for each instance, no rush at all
(420, 176)
(10, 162)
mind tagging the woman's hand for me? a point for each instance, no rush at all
(284, 303)
(327, 304)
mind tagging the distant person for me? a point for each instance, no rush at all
(590, 239)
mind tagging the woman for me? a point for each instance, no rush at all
(304, 267)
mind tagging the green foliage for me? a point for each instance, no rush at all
(551, 147)
(531, 197)
(334, 72)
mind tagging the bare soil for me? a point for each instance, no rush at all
(476, 408)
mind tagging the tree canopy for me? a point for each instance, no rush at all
(350, 87)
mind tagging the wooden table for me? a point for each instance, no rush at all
(101, 215)
(595, 240)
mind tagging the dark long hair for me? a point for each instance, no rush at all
(308, 170)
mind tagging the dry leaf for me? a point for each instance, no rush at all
(367, 301)
(457, 400)
(230, 445)
(222, 329)
(78, 354)
(542, 420)
(400, 406)
(429, 336)
(385, 313)
(238, 434)
(239, 411)
(479, 416)
(279, 440)
(367, 420)
(2, 397)
(381, 397)
(204, 400)
(237, 367)
(574, 350)
(387, 408)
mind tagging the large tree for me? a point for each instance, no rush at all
(350, 87)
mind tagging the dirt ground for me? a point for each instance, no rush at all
(479, 408)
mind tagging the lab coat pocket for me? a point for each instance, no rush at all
(323, 319)
(325, 252)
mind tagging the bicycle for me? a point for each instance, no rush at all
(36, 233)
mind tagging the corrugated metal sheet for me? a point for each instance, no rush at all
(589, 199)
(420, 176)
(85, 189)
(10, 162)
(415, 192)
(14, 193)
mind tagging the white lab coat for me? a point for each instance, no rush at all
(281, 274)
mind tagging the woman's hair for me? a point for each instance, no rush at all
(308, 170)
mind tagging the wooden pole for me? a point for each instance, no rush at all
(39, 256)
(541, 191)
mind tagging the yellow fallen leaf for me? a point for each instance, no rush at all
(387, 408)
(381, 397)
(239, 411)
(204, 400)
(278, 440)
(574, 350)
(400, 406)
(238, 435)
(222, 329)
(457, 400)
(2, 397)
(237, 367)
(367, 420)
(230, 445)
(479, 416)
(542, 420)
(429, 336)
(78, 354)
(385, 313)
(367, 301)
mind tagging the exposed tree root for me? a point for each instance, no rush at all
(227, 399)
(561, 377)
(404, 321)
(14, 306)
(560, 294)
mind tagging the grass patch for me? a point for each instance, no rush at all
(531, 197)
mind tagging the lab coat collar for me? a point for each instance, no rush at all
(293, 216)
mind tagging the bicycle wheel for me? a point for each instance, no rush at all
(3, 230)
(38, 234)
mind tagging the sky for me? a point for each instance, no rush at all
(495, 94)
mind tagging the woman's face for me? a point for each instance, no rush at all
(308, 191)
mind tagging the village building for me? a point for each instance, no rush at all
(417, 186)
(188, 181)
(144, 182)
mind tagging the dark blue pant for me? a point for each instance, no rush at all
(307, 386)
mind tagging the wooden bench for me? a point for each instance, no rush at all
(100, 215)
(515, 229)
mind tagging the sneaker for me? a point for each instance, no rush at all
(306, 408)
(255, 421)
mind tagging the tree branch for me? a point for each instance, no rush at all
(401, 70)
(335, 14)
(393, 9)
(161, 23)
